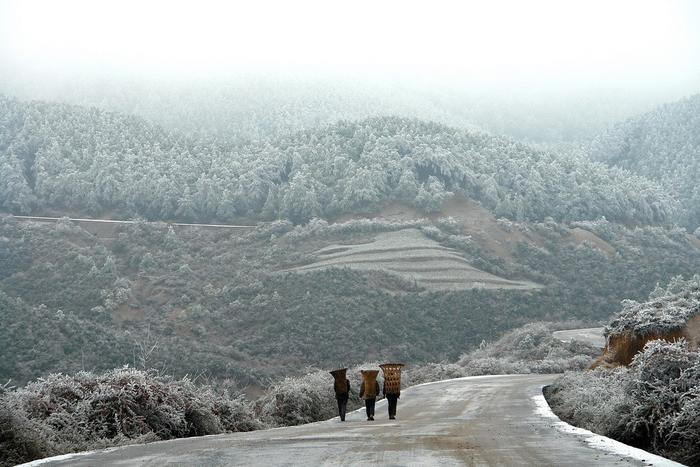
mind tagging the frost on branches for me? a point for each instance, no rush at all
(667, 310)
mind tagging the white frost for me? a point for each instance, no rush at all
(600, 442)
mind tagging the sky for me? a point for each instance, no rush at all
(494, 41)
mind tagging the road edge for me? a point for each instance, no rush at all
(596, 441)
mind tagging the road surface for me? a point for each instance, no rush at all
(111, 221)
(593, 336)
(106, 229)
(490, 420)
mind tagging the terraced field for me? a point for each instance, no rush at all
(414, 257)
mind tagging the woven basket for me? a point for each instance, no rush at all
(369, 378)
(392, 377)
(341, 380)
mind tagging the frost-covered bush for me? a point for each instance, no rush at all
(429, 372)
(654, 404)
(63, 413)
(21, 439)
(528, 349)
(597, 400)
(666, 311)
(298, 400)
(308, 398)
(666, 394)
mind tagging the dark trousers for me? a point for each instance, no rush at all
(393, 400)
(342, 407)
(369, 406)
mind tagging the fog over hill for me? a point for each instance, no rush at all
(243, 107)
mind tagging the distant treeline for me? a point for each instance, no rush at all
(663, 145)
(56, 156)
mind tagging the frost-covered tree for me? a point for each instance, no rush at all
(663, 145)
(83, 159)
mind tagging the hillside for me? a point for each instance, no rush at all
(239, 305)
(61, 158)
(663, 145)
(394, 239)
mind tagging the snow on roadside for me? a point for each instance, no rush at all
(63, 457)
(600, 442)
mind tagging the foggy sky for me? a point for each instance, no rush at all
(548, 44)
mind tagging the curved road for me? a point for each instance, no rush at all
(489, 420)
(593, 336)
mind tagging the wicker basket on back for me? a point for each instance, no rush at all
(369, 378)
(392, 377)
(341, 380)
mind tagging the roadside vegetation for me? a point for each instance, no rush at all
(67, 413)
(654, 403)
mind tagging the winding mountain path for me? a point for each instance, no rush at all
(488, 420)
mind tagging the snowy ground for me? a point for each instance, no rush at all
(486, 420)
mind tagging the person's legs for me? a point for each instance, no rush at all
(393, 400)
(371, 408)
(342, 408)
(368, 407)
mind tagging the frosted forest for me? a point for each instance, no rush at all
(195, 229)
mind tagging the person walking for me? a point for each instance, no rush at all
(369, 390)
(392, 386)
(341, 386)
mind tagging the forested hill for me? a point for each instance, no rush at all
(62, 157)
(664, 145)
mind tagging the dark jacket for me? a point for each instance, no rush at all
(339, 392)
(369, 394)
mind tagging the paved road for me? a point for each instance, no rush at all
(488, 420)
(592, 336)
(110, 221)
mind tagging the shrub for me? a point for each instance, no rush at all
(21, 439)
(63, 413)
(666, 310)
(528, 349)
(298, 400)
(654, 404)
(308, 398)
(597, 400)
(666, 394)
(429, 372)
